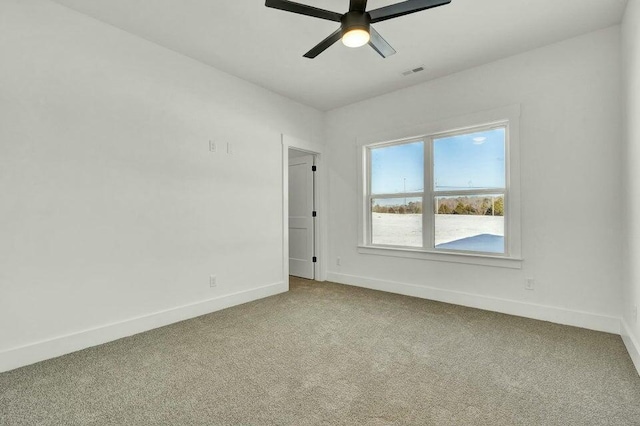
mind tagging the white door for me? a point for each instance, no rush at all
(301, 231)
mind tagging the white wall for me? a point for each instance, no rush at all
(111, 206)
(571, 197)
(631, 165)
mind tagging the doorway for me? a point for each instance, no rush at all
(302, 214)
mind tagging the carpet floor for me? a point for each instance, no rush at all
(330, 354)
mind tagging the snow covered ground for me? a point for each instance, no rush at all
(406, 229)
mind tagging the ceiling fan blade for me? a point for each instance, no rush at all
(380, 45)
(324, 44)
(404, 8)
(303, 9)
(358, 5)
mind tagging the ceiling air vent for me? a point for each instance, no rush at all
(413, 71)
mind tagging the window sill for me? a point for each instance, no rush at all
(468, 258)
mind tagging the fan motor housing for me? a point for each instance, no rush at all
(355, 20)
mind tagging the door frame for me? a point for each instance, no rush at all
(320, 268)
(301, 163)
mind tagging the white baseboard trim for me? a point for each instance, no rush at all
(553, 314)
(633, 347)
(29, 354)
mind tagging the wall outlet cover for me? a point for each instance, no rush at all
(530, 284)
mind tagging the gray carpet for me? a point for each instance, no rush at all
(331, 354)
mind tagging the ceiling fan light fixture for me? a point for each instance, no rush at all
(355, 25)
(356, 28)
(356, 38)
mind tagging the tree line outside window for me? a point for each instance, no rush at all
(474, 206)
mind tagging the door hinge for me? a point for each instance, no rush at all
(314, 214)
(314, 168)
(315, 259)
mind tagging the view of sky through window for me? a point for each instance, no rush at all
(397, 168)
(470, 161)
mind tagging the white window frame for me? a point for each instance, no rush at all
(508, 118)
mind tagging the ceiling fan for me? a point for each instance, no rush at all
(355, 25)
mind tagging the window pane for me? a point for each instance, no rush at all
(474, 223)
(397, 168)
(397, 222)
(470, 161)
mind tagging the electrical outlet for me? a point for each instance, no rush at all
(530, 284)
(213, 281)
(338, 261)
(212, 146)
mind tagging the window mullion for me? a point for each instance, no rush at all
(468, 192)
(369, 220)
(398, 195)
(427, 200)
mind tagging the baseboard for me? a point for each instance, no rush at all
(633, 347)
(553, 314)
(21, 356)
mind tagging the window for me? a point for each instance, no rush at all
(397, 192)
(469, 189)
(443, 193)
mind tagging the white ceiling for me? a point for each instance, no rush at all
(265, 46)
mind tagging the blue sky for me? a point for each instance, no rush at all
(391, 165)
(473, 160)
